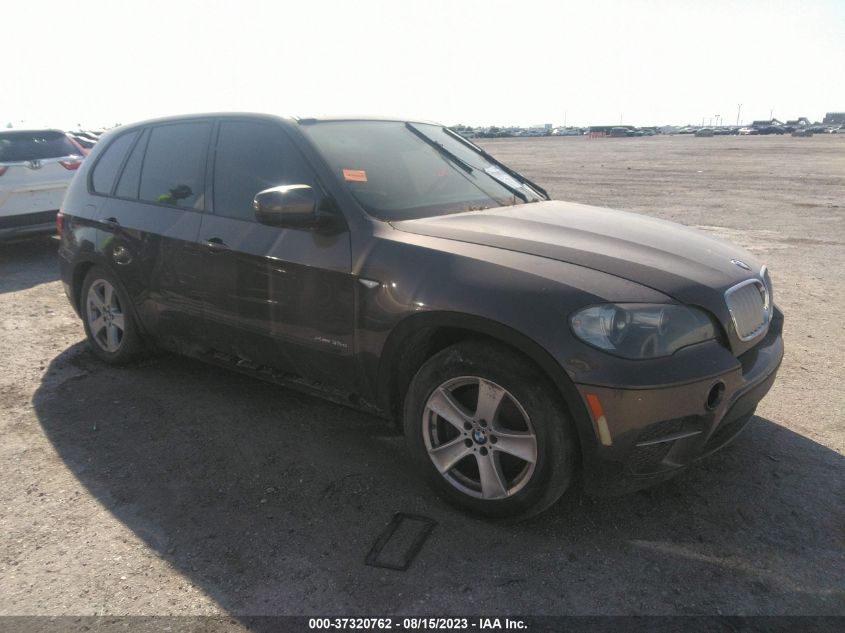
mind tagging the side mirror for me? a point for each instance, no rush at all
(296, 206)
(287, 205)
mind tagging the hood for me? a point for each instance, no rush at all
(685, 264)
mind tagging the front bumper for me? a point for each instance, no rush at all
(644, 436)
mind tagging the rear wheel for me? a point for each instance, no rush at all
(489, 431)
(111, 330)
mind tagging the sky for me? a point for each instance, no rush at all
(97, 63)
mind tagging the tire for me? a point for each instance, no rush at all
(512, 459)
(111, 329)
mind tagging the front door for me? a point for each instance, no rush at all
(277, 297)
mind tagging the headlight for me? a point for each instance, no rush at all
(642, 330)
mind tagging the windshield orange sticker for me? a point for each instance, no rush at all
(355, 175)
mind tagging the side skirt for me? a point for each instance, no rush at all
(291, 381)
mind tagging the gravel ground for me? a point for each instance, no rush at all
(171, 487)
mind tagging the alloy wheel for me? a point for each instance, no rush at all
(106, 319)
(479, 437)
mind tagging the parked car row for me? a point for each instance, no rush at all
(794, 130)
(618, 131)
(712, 131)
(762, 130)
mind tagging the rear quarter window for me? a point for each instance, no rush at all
(105, 171)
(22, 146)
(127, 186)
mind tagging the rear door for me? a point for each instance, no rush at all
(149, 223)
(277, 297)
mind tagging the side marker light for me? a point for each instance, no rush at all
(599, 419)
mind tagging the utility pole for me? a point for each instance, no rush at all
(738, 110)
(564, 118)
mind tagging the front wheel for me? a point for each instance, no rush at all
(489, 432)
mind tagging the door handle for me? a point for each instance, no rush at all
(215, 244)
(111, 223)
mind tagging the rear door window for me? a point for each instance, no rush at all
(16, 147)
(173, 170)
(102, 180)
(251, 157)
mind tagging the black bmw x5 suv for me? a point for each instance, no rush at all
(396, 266)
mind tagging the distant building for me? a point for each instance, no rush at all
(834, 118)
(799, 122)
(766, 122)
(541, 129)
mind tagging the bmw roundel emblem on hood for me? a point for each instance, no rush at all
(741, 264)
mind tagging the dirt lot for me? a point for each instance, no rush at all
(171, 487)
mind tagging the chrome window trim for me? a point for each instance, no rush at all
(767, 308)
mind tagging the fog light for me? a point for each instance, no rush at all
(715, 396)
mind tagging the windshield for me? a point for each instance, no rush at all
(402, 171)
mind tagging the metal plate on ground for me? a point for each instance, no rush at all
(401, 541)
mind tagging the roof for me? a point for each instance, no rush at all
(264, 115)
(201, 115)
(319, 119)
(33, 130)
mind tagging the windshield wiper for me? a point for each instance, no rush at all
(537, 188)
(460, 162)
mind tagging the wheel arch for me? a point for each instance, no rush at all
(420, 336)
(80, 270)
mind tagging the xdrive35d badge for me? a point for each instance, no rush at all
(516, 340)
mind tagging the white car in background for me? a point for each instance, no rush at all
(565, 131)
(36, 167)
